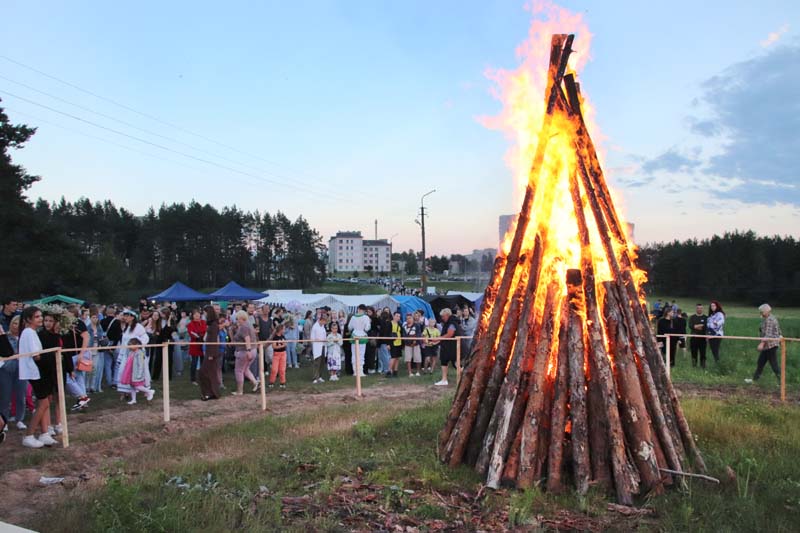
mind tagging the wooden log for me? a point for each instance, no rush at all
(599, 449)
(453, 451)
(558, 416)
(579, 437)
(512, 464)
(601, 369)
(502, 353)
(637, 423)
(465, 385)
(533, 419)
(508, 408)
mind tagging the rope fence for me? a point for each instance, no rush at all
(258, 345)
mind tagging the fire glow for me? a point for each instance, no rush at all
(565, 376)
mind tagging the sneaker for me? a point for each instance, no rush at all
(131, 402)
(57, 430)
(150, 395)
(75, 407)
(363, 375)
(83, 402)
(748, 380)
(256, 386)
(334, 378)
(51, 431)
(411, 375)
(31, 442)
(416, 375)
(282, 386)
(271, 386)
(194, 383)
(441, 383)
(47, 440)
(234, 393)
(388, 375)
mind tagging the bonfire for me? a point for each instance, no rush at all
(565, 381)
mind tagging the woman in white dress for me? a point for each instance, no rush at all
(131, 329)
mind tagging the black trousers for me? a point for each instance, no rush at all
(156, 362)
(714, 344)
(765, 356)
(698, 348)
(195, 362)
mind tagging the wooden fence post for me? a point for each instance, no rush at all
(783, 370)
(261, 378)
(165, 378)
(357, 366)
(458, 360)
(62, 406)
(667, 351)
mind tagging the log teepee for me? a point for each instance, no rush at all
(565, 381)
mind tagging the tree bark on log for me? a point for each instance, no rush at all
(579, 436)
(558, 416)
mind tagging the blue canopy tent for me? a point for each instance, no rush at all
(179, 292)
(409, 304)
(233, 291)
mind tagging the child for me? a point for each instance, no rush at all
(430, 349)
(137, 374)
(278, 367)
(334, 351)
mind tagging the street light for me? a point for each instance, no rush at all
(424, 277)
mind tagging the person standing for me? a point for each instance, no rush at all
(412, 350)
(714, 325)
(265, 327)
(208, 377)
(163, 328)
(96, 338)
(41, 382)
(244, 354)
(697, 326)
(319, 338)
(770, 332)
(665, 326)
(197, 332)
(77, 338)
(11, 386)
(112, 326)
(278, 368)
(359, 325)
(447, 349)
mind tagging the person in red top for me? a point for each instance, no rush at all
(197, 332)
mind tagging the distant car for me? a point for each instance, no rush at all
(353, 280)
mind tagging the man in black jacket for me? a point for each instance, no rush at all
(113, 328)
(697, 326)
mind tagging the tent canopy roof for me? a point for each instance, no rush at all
(57, 298)
(234, 291)
(179, 292)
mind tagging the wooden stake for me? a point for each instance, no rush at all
(558, 415)
(261, 377)
(165, 379)
(783, 370)
(458, 360)
(62, 405)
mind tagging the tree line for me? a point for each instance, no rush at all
(98, 251)
(734, 267)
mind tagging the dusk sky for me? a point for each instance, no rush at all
(346, 112)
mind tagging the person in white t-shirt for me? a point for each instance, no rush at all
(359, 325)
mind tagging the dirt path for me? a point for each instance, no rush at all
(732, 392)
(98, 441)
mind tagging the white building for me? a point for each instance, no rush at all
(348, 251)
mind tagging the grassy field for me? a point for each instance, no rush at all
(372, 466)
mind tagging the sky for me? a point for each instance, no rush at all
(347, 112)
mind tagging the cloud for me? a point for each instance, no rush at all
(773, 37)
(672, 161)
(754, 108)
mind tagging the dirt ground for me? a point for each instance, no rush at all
(99, 440)
(130, 432)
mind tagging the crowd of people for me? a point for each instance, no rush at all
(672, 321)
(204, 343)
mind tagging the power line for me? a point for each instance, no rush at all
(148, 116)
(149, 132)
(166, 148)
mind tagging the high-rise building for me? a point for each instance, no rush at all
(506, 224)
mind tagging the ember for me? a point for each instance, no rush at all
(565, 379)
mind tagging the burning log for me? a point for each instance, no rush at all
(566, 372)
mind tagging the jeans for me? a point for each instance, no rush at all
(98, 366)
(291, 354)
(109, 356)
(12, 386)
(196, 361)
(179, 354)
(383, 358)
(76, 386)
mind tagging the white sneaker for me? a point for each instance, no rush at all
(315, 381)
(416, 375)
(29, 441)
(51, 431)
(57, 430)
(21, 425)
(150, 395)
(131, 402)
(748, 380)
(334, 378)
(441, 383)
(321, 380)
(47, 440)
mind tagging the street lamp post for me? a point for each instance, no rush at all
(424, 277)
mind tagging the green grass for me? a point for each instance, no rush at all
(236, 476)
